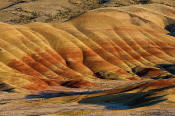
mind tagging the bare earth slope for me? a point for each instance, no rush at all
(126, 43)
(53, 54)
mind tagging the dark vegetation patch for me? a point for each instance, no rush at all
(103, 1)
(144, 1)
(48, 95)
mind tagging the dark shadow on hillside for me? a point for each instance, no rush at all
(13, 4)
(104, 1)
(126, 101)
(171, 29)
(172, 34)
(47, 95)
(6, 88)
(168, 67)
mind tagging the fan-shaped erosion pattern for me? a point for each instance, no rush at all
(125, 43)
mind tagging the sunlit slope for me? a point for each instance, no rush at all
(111, 41)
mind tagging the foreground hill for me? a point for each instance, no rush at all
(129, 43)
(108, 61)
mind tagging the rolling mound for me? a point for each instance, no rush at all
(26, 11)
(126, 43)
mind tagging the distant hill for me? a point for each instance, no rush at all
(25, 11)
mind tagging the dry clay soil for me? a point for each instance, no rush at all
(108, 61)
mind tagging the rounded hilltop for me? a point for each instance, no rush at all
(26, 11)
(127, 44)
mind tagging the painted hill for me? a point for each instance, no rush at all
(116, 61)
(109, 43)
